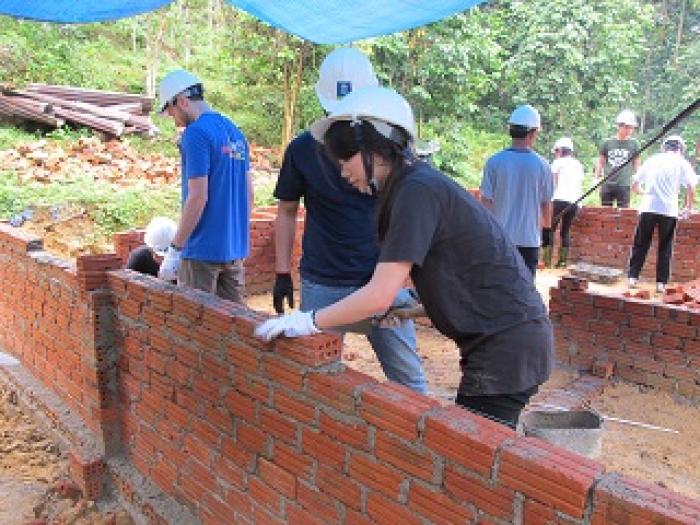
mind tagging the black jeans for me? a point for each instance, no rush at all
(503, 408)
(648, 222)
(566, 220)
(530, 256)
(613, 192)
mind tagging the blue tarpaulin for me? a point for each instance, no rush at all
(321, 21)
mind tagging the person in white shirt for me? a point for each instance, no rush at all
(567, 174)
(659, 180)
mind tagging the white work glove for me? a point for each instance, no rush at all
(169, 266)
(295, 324)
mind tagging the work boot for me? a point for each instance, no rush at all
(547, 256)
(563, 256)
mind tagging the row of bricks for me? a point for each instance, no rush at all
(452, 433)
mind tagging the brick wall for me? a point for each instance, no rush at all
(260, 264)
(648, 342)
(236, 431)
(603, 235)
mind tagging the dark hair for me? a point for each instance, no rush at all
(672, 145)
(518, 132)
(342, 143)
(565, 152)
(195, 92)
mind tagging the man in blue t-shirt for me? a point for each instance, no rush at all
(340, 248)
(211, 240)
(517, 186)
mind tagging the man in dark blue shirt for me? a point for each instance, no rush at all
(340, 248)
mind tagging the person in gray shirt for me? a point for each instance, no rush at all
(517, 186)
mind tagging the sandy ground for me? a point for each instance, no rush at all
(669, 460)
(34, 486)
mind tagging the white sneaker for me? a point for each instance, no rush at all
(660, 287)
(632, 281)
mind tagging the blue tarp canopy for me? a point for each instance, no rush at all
(321, 21)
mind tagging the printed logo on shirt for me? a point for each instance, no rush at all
(342, 88)
(235, 149)
(617, 157)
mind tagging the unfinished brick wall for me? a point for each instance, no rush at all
(237, 431)
(648, 342)
(260, 264)
(604, 236)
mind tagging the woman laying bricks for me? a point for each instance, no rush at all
(473, 284)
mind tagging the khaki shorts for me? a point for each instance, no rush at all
(226, 280)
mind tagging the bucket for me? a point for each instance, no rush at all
(580, 431)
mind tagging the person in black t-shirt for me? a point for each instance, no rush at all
(472, 282)
(147, 257)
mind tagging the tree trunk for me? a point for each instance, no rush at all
(679, 34)
(293, 76)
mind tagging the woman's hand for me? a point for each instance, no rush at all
(295, 324)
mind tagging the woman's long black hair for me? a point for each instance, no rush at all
(343, 140)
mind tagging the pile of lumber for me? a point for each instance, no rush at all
(112, 113)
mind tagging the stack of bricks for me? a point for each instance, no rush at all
(87, 470)
(125, 242)
(604, 236)
(649, 343)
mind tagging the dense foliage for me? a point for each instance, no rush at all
(579, 62)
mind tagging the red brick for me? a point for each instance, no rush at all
(548, 474)
(251, 437)
(229, 473)
(468, 439)
(315, 350)
(404, 456)
(278, 425)
(375, 475)
(386, 512)
(494, 499)
(318, 503)
(279, 370)
(324, 449)
(279, 479)
(337, 390)
(264, 495)
(438, 507)
(339, 486)
(355, 434)
(395, 408)
(294, 407)
(293, 461)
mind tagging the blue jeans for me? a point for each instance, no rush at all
(394, 347)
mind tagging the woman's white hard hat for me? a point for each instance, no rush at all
(173, 84)
(159, 234)
(344, 70)
(383, 107)
(674, 138)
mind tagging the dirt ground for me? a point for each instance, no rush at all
(34, 483)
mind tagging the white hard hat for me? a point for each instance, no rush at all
(674, 138)
(345, 69)
(564, 142)
(159, 234)
(383, 107)
(626, 118)
(525, 116)
(173, 84)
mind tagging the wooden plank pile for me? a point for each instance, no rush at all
(112, 113)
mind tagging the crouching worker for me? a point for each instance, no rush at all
(148, 257)
(474, 285)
